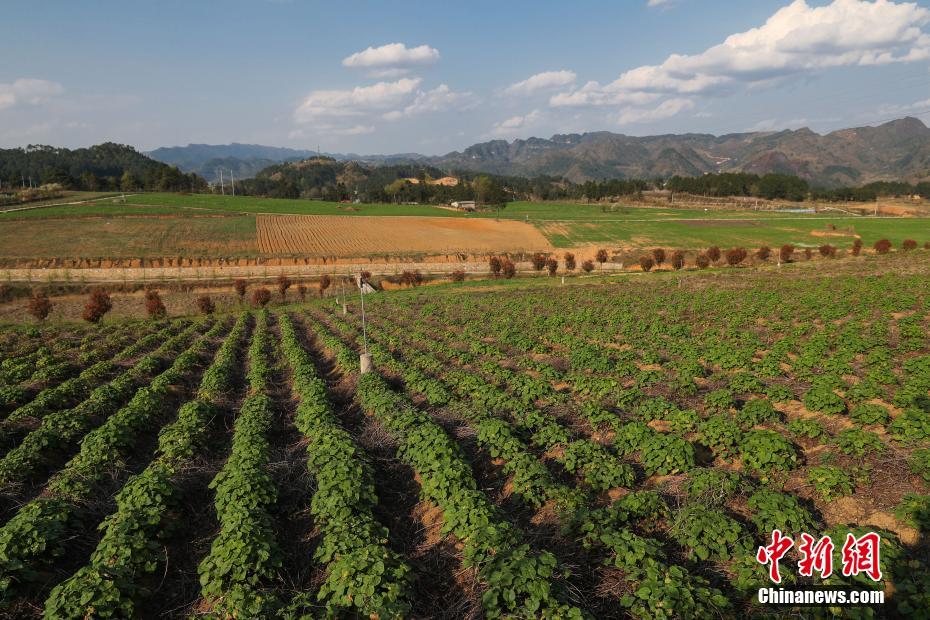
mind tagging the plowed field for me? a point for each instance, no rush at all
(361, 236)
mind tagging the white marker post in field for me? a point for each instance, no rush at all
(364, 360)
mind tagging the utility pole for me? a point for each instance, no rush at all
(232, 180)
(222, 187)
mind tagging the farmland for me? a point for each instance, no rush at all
(606, 450)
(154, 226)
(362, 236)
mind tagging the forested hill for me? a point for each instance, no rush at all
(243, 160)
(897, 150)
(107, 166)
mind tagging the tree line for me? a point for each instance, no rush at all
(116, 167)
(324, 178)
(788, 187)
(104, 167)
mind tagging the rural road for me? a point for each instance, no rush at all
(63, 204)
(143, 274)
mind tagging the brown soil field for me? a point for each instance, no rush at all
(361, 236)
(128, 237)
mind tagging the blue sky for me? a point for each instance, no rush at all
(390, 77)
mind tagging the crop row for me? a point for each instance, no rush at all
(652, 353)
(516, 578)
(245, 556)
(59, 431)
(703, 532)
(597, 466)
(76, 389)
(24, 375)
(363, 575)
(38, 531)
(113, 581)
(606, 529)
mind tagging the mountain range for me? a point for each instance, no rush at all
(897, 150)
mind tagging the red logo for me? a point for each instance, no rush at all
(859, 555)
(772, 553)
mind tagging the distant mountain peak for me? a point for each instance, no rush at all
(898, 149)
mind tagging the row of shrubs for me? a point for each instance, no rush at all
(499, 266)
(99, 304)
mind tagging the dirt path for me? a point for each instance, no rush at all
(62, 204)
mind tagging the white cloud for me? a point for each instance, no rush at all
(796, 40)
(893, 109)
(326, 129)
(660, 3)
(541, 81)
(355, 102)
(516, 124)
(666, 109)
(392, 55)
(767, 124)
(594, 94)
(354, 130)
(28, 91)
(438, 99)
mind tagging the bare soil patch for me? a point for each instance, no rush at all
(323, 235)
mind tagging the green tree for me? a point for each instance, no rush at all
(489, 191)
(127, 182)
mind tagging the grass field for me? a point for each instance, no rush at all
(67, 197)
(206, 225)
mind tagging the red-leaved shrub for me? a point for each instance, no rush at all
(702, 261)
(205, 305)
(735, 256)
(508, 268)
(260, 297)
(39, 305)
(539, 261)
(909, 244)
(97, 306)
(284, 283)
(882, 246)
(678, 259)
(569, 261)
(763, 253)
(458, 275)
(786, 252)
(587, 266)
(495, 265)
(646, 263)
(658, 255)
(713, 253)
(154, 306)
